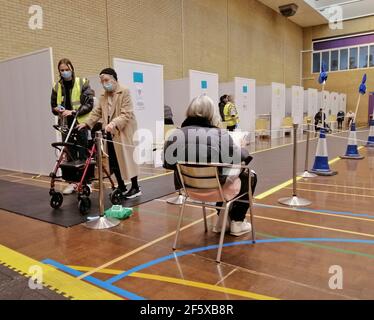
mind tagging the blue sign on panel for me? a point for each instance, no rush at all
(245, 89)
(204, 84)
(138, 77)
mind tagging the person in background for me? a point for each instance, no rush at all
(222, 103)
(116, 111)
(168, 115)
(318, 121)
(231, 114)
(72, 96)
(202, 122)
(340, 118)
(350, 118)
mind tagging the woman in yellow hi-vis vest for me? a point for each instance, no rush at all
(72, 96)
(231, 114)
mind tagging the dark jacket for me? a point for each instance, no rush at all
(198, 141)
(221, 110)
(340, 116)
(87, 98)
(318, 117)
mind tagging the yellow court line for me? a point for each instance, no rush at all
(147, 245)
(183, 282)
(317, 227)
(285, 184)
(332, 192)
(276, 189)
(335, 185)
(62, 283)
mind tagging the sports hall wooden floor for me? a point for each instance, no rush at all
(292, 260)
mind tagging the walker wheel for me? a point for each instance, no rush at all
(116, 197)
(56, 200)
(84, 205)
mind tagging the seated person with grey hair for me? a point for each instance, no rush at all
(201, 141)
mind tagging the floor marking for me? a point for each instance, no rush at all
(62, 283)
(149, 244)
(336, 214)
(317, 227)
(276, 189)
(119, 291)
(336, 185)
(188, 283)
(226, 276)
(332, 192)
(239, 243)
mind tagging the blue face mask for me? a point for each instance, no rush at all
(108, 87)
(66, 74)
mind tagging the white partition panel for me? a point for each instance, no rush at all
(343, 102)
(311, 102)
(334, 103)
(204, 83)
(146, 84)
(177, 97)
(324, 101)
(26, 128)
(179, 93)
(244, 92)
(278, 108)
(297, 104)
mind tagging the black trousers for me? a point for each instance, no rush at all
(238, 210)
(113, 163)
(169, 122)
(231, 128)
(340, 124)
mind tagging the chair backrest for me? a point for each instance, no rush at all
(261, 124)
(332, 118)
(287, 122)
(200, 178)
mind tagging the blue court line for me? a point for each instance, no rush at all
(342, 213)
(95, 281)
(213, 247)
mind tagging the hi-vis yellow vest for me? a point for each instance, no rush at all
(231, 114)
(75, 96)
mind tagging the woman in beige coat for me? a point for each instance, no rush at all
(116, 111)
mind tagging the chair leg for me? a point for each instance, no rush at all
(181, 211)
(223, 231)
(252, 220)
(205, 222)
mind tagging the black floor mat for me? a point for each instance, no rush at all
(33, 202)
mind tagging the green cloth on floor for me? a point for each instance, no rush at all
(119, 212)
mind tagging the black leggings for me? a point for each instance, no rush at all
(113, 163)
(239, 210)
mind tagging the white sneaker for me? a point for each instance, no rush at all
(238, 228)
(218, 227)
(71, 188)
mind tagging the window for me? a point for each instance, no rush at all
(316, 62)
(353, 55)
(344, 59)
(364, 57)
(326, 59)
(371, 56)
(334, 60)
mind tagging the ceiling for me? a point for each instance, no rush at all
(306, 15)
(351, 9)
(317, 12)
